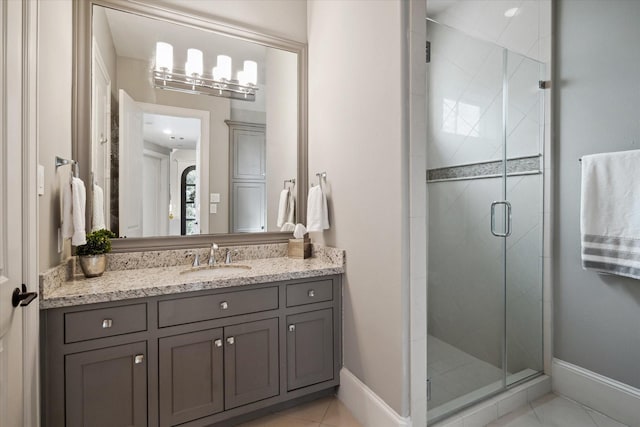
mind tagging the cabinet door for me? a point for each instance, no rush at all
(190, 376)
(248, 152)
(309, 348)
(251, 362)
(107, 387)
(248, 207)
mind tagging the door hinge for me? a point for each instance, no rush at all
(427, 52)
(428, 389)
(544, 84)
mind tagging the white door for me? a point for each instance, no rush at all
(16, 403)
(155, 206)
(101, 129)
(130, 149)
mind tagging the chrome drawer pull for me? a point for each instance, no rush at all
(217, 343)
(292, 328)
(231, 341)
(107, 323)
(139, 359)
(311, 293)
(224, 305)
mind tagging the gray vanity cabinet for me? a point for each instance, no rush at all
(251, 362)
(107, 387)
(190, 376)
(192, 359)
(309, 348)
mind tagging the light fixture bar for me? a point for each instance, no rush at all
(204, 84)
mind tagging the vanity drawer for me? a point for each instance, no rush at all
(309, 292)
(207, 307)
(104, 322)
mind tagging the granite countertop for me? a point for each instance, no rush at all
(115, 285)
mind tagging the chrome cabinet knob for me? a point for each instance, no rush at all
(311, 293)
(139, 359)
(107, 323)
(292, 328)
(218, 343)
(231, 340)
(224, 305)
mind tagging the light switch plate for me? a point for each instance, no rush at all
(213, 208)
(40, 180)
(215, 198)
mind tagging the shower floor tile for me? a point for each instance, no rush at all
(455, 373)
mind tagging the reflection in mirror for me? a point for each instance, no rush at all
(183, 162)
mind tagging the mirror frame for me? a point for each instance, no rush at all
(81, 112)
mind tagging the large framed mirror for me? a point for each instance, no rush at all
(186, 129)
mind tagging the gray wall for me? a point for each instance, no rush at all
(597, 81)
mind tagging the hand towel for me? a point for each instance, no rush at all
(610, 213)
(79, 194)
(97, 217)
(286, 207)
(317, 212)
(288, 226)
(67, 209)
(291, 207)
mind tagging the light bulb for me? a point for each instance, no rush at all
(242, 78)
(194, 62)
(251, 72)
(216, 74)
(164, 57)
(224, 67)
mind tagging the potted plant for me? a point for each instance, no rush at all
(92, 254)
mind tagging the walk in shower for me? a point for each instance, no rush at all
(485, 184)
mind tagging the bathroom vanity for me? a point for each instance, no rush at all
(165, 348)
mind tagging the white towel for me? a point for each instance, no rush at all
(317, 212)
(286, 207)
(97, 217)
(610, 213)
(288, 226)
(78, 209)
(67, 209)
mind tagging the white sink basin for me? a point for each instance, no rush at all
(215, 271)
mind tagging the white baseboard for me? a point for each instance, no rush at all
(610, 397)
(366, 406)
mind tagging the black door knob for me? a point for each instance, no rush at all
(22, 297)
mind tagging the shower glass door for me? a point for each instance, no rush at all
(485, 220)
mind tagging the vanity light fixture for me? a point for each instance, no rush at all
(193, 79)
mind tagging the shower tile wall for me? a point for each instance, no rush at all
(465, 79)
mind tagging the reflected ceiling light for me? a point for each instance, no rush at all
(510, 13)
(194, 80)
(167, 131)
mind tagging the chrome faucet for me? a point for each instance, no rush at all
(196, 259)
(227, 259)
(212, 254)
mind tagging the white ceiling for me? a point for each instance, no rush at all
(135, 36)
(185, 132)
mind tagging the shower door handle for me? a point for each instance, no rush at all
(493, 219)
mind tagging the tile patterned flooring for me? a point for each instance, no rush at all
(555, 411)
(325, 412)
(548, 411)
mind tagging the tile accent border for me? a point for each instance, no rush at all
(612, 398)
(519, 166)
(366, 406)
